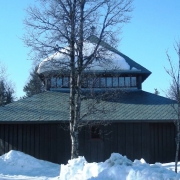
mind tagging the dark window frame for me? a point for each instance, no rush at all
(92, 82)
(95, 132)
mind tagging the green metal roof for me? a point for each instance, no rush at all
(54, 106)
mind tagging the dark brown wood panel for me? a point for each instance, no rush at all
(6, 137)
(33, 140)
(37, 141)
(137, 141)
(52, 142)
(20, 137)
(152, 141)
(10, 137)
(100, 151)
(15, 137)
(114, 146)
(82, 142)
(28, 139)
(59, 150)
(94, 150)
(2, 140)
(87, 145)
(129, 141)
(24, 138)
(145, 136)
(42, 143)
(122, 138)
(164, 141)
(108, 133)
(162, 144)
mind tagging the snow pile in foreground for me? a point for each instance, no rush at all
(117, 167)
(15, 163)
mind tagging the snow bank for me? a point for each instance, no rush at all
(117, 167)
(19, 166)
(18, 163)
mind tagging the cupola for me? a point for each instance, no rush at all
(110, 69)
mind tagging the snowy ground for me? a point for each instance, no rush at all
(17, 165)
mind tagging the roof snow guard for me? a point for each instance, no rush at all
(108, 59)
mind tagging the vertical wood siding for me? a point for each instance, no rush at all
(43, 141)
(152, 141)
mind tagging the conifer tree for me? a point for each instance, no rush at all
(34, 85)
(6, 88)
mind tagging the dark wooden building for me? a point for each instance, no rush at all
(139, 124)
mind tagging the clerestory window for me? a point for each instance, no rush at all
(96, 82)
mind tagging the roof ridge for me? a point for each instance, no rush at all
(132, 63)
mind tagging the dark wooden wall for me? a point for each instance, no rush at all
(44, 141)
(152, 141)
(155, 142)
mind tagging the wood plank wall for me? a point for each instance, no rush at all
(44, 141)
(152, 141)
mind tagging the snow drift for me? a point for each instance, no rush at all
(117, 167)
(17, 166)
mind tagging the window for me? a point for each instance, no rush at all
(121, 81)
(95, 132)
(109, 82)
(65, 81)
(59, 82)
(53, 82)
(103, 82)
(96, 82)
(90, 82)
(133, 81)
(127, 81)
(115, 81)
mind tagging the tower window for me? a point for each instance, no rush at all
(53, 82)
(121, 81)
(133, 81)
(115, 81)
(109, 81)
(59, 82)
(102, 82)
(65, 81)
(127, 81)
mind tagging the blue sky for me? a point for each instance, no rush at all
(154, 27)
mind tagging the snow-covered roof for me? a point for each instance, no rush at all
(105, 60)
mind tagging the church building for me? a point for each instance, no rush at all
(127, 120)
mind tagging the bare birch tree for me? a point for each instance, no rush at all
(174, 93)
(62, 26)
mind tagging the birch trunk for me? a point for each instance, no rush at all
(74, 141)
(72, 122)
(77, 88)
